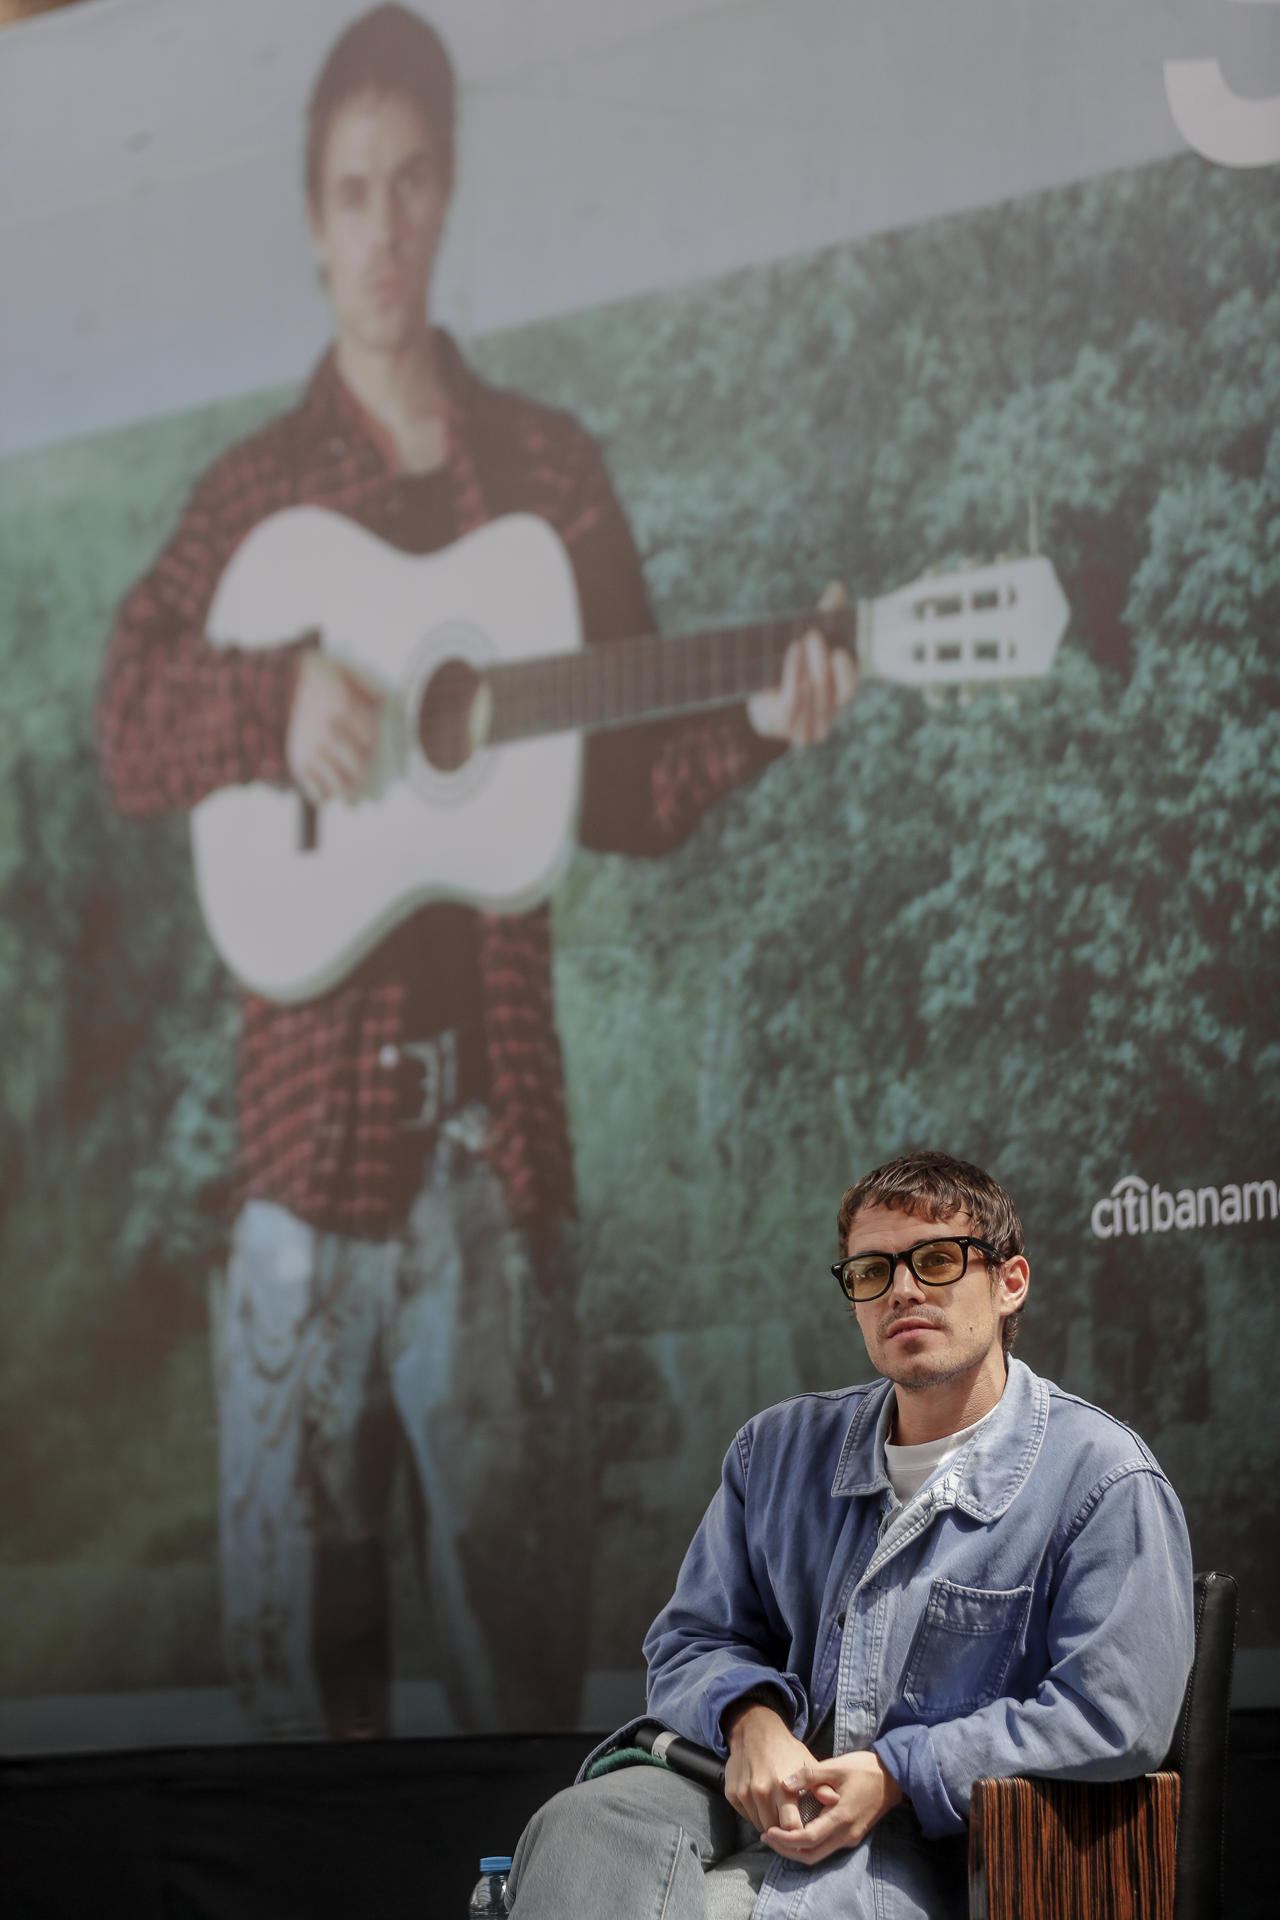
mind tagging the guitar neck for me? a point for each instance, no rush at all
(619, 682)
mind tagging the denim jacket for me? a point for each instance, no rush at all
(1029, 1611)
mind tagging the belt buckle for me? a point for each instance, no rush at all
(438, 1060)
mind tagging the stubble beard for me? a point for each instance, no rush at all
(916, 1376)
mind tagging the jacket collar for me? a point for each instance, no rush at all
(993, 1468)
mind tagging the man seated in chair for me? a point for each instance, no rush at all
(958, 1571)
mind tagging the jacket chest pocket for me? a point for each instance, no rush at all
(962, 1648)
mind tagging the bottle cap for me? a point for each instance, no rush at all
(495, 1863)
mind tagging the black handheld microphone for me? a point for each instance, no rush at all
(699, 1763)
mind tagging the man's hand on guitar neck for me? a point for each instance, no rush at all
(333, 729)
(817, 681)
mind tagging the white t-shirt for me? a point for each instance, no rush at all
(910, 1467)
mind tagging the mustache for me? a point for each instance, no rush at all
(927, 1319)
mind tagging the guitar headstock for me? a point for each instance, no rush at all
(994, 623)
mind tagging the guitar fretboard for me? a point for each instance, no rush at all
(621, 681)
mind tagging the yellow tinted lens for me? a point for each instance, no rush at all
(865, 1278)
(940, 1262)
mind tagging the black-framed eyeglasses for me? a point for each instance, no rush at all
(935, 1263)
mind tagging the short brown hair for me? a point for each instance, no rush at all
(389, 50)
(932, 1186)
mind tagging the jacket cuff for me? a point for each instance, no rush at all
(907, 1755)
(781, 1692)
(764, 1695)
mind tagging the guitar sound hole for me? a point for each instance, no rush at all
(448, 718)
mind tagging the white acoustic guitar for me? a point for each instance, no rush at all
(473, 793)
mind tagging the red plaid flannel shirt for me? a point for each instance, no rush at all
(178, 718)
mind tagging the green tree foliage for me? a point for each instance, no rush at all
(1038, 929)
(115, 1110)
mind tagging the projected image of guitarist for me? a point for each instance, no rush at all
(401, 1275)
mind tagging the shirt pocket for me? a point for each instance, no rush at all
(962, 1648)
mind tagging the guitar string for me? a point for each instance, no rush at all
(620, 681)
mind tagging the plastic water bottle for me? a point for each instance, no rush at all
(487, 1894)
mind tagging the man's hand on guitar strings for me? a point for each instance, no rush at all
(333, 729)
(818, 680)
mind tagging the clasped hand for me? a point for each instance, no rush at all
(769, 1769)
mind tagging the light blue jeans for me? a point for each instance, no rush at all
(645, 1844)
(638, 1844)
(453, 1347)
